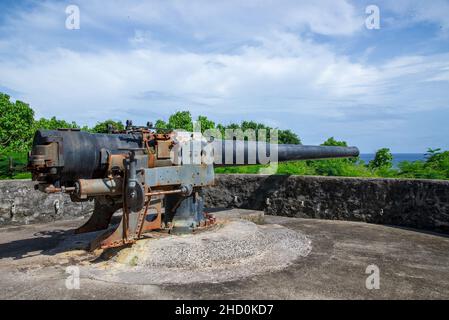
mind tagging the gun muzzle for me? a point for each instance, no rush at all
(237, 152)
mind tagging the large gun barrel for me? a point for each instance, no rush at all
(231, 153)
(289, 152)
(64, 156)
(61, 157)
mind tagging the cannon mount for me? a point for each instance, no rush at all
(154, 176)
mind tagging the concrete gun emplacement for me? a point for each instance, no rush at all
(156, 177)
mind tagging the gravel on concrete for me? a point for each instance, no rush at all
(237, 249)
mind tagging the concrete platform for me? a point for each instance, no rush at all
(412, 264)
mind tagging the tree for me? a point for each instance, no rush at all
(332, 142)
(382, 159)
(161, 126)
(181, 120)
(438, 160)
(53, 124)
(16, 124)
(257, 127)
(238, 131)
(205, 123)
(432, 155)
(245, 125)
(284, 136)
(288, 137)
(222, 129)
(233, 126)
(102, 127)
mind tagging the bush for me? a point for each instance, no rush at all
(16, 125)
(103, 127)
(382, 159)
(19, 161)
(340, 167)
(53, 124)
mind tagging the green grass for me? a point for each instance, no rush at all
(20, 160)
(349, 168)
(333, 167)
(436, 168)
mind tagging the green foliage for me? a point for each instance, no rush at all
(288, 137)
(385, 172)
(340, 167)
(246, 125)
(161, 126)
(382, 159)
(181, 120)
(295, 167)
(16, 125)
(53, 124)
(331, 167)
(102, 127)
(436, 166)
(317, 167)
(438, 160)
(222, 129)
(284, 136)
(19, 161)
(240, 169)
(205, 123)
(332, 142)
(416, 169)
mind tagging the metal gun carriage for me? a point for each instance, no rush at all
(156, 178)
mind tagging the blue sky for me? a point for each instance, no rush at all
(311, 66)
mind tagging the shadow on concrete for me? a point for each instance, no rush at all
(41, 242)
(50, 243)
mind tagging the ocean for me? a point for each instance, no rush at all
(397, 157)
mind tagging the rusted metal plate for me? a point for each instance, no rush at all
(163, 149)
(131, 227)
(196, 175)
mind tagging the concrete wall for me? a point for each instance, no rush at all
(422, 204)
(21, 204)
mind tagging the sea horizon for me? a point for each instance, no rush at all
(397, 157)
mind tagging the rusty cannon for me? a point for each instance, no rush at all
(155, 177)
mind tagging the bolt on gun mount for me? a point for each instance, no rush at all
(155, 178)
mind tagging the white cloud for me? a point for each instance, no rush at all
(201, 20)
(223, 59)
(236, 19)
(282, 70)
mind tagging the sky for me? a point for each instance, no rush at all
(310, 66)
